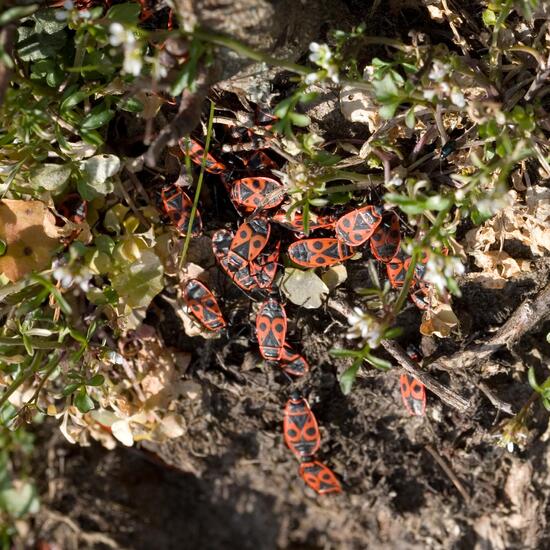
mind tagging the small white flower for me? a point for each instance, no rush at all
(510, 447)
(133, 62)
(457, 98)
(364, 326)
(439, 70)
(429, 94)
(68, 5)
(117, 35)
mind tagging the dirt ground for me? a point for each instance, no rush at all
(231, 483)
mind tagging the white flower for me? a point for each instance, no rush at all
(322, 57)
(118, 34)
(429, 94)
(364, 326)
(439, 70)
(133, 61)
(457, 97)
(441, 268)
(68, 5)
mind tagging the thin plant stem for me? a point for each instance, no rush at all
(199, 187)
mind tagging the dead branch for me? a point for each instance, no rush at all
(408, 365)
(527, 315)
(186, 119)
(450, 474)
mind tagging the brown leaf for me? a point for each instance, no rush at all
(28, 230)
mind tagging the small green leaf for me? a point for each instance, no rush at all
(19, 500)
(125, 13)
(73, 100)
(70, 388)
(299, 120)
(533, 380)
(410, 118)
(387, 111)
(344, 353)
(52, 177)
(96, 380)
(83, 402)
(348, 377)
(47, 22)
(380, 364)
(131, 105)
(437, 202)
(13, 14)
(489, 18)
(97, 120)
(3, 247)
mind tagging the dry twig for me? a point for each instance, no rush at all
(527, 315)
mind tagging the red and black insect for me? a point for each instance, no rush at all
(319, 252)
(264, 268)
(259, 161)
(221, 241)
(271, 329)
(293, 363)
(178, 206)
(357, 226)
(397, 269)
(413, 393)
(300, 428)
(319, 477)
(386, 239)
(255, 192)
(74, 208)
(249, 241)
(203, 305)
(195, 151)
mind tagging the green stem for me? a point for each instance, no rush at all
(21, 378)
(50, 368)
(199, 187)
(406, 284)
(36, 344)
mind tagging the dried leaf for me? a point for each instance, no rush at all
(28, 230)
(438, 321)
(334, 276)
(304, 288)
(122, 432)
(358, 105)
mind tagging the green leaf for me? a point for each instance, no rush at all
(125, 13)
(489, 18)
(533, 380)
(52, 177)
(380, 364)
(131, 105)
(19, 500)
(46, 21)
(138, 283)
(385, 89)
(70, 388)
(13, 14)
(299, 120)
(73, 100)
(387, 111)
(410, 118)
(96, 380)
(83, 402)
(348, 377)
(437, 202)
(97, 120)
(32, 46)
(344, 353)
(101, 167)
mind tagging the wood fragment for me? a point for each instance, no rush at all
(446, 395)
(450, 474)
(527, 315)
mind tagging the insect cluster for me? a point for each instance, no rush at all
(249, 256)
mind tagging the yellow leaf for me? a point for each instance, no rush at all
(28, 230)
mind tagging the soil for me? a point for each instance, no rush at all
(434, 482)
